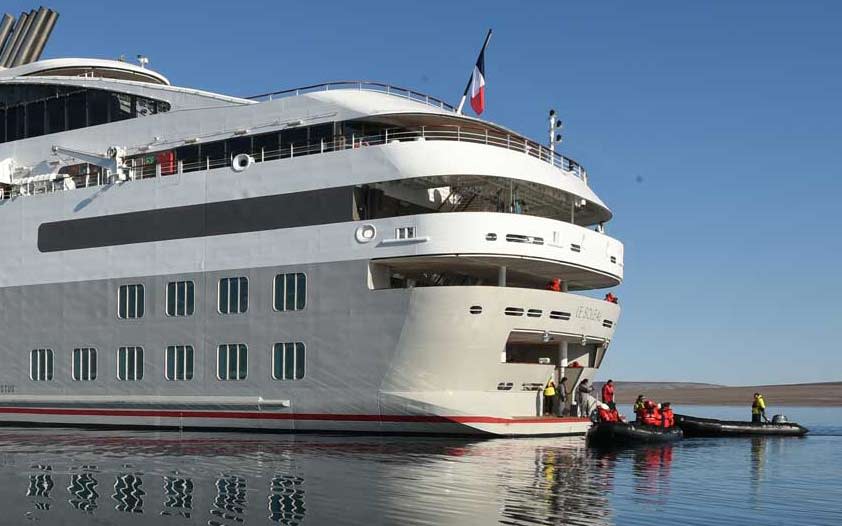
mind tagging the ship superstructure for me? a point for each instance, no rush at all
(343, 257)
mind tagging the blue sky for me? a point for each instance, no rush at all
(712, 129)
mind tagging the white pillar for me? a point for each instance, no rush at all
(501, 276)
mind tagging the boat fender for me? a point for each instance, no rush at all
(241, 161)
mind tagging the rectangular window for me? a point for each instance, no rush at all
(179, 364)
(288, 361)
(180, 298)
(290, 291)
(130, 364)
(84, 364)
(130, 301)
(405, 232)
(41, 365)
(232, 361)
(233, 295)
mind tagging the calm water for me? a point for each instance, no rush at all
(107, 477)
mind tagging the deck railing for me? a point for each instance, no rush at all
(360, 85)
(137, 169)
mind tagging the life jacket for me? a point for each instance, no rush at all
(652, 417)
(615, 415)
(758, 406)
(607, 393)
(549, 390)
(668, 417)
(638, 407)
(606, 415)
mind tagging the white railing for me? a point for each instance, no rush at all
(360, 85)
(136, 170)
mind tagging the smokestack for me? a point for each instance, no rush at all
(46, 31)
(32, 32)
(13, 39)
(5, 28)
(27, 23)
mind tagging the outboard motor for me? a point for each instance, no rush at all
(779, 419)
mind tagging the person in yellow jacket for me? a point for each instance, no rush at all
(549, 397)
(758, 409)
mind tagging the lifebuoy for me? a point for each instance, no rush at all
(365, 233)
(241, 161)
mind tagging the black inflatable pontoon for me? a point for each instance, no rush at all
(709, 427)
(619, 433)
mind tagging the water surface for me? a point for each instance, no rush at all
(62, 476)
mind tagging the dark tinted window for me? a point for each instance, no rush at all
(30, 111)
(76, 114)
(35, 119)
(321, 132)
(239, 145)
(14, 123)
(97, 107)
(188, 155)
(120, 106)
(296, 136)
(55, 115)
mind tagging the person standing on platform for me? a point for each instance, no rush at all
(608, 394)
(562, 397)
(758, 409)
(582, 394)
(549, 397)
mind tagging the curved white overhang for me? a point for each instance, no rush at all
(81, 67)
(477, 243)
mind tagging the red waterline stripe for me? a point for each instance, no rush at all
(250, 415)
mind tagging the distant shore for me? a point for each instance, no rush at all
(815, 394)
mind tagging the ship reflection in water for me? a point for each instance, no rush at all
(109, 477)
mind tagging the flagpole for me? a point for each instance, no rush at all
(468, 86)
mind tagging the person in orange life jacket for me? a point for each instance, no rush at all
(651, 415)
(554, 285)
(608, 394)
(611, 298)
(606, 414)
(667, 416)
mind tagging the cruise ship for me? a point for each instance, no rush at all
(342, 257)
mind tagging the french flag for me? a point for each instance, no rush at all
(478, 84)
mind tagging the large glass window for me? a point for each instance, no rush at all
(130, 301)
(120, 106)
(35, 119)
(56, 119)
(28, 110)
(179, 362)
(130, 364)
(180, 298)
(233, 295)
(41, 365)
(77, 116)
(232, 361)
(84, 364)
(288, 361)
(14, 123)
(290, 291)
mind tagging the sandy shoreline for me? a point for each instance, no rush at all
(817, 394)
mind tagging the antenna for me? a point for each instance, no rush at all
(555, 130)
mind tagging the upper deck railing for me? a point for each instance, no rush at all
(359, 85)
